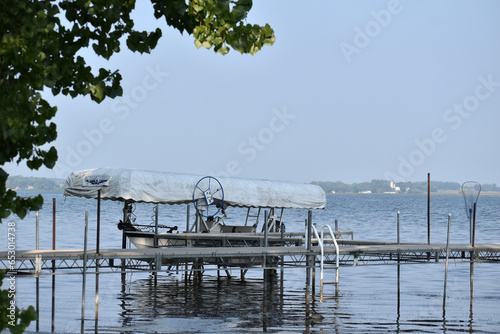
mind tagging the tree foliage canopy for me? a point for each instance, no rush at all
(40, 50)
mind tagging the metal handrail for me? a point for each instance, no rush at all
(322, 250)
(337, 251)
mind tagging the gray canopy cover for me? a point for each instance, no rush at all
(171, 188)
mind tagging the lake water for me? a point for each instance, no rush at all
(368, 300)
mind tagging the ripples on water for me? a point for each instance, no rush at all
(368, 301)
(235, 305)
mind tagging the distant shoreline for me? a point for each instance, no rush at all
(393, 188)
(438, 193)
(374, 187)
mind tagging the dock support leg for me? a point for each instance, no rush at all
(308, 302)
(53, 296)
(471, 280)
(269, 275)
(97, 296)
(266, 292)
(308, 264)
(399, 291)
(124, 243)
(37, 275)
(197, 272)
(53, 264)
(37, 303)
(313, 284)
(84, 279)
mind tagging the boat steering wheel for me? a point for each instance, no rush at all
(208, 196)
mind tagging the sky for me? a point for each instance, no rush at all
(351, 91)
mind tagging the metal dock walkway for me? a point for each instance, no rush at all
(351, 252)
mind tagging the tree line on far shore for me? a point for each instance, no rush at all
(384, 186)
(338, 187)
(34, 183)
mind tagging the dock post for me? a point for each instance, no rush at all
(266, 235)
(472, 257)
(446, 263)
(429, 208)
(308, 247)
(313, 276)
(124, 243)
(98, 236)
(96, 320)
(37, 277)
(124, 237)
(471, 280)
(84, 281)
(155, 244)
(53, 265)
(155, 239)
(399, 267)
(186, 265)
(428, 213)
(474, 225)
(398, 240)
(308, 263)
(264, 258)
(282, 258)
(399, 288)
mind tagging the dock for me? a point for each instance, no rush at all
(292, 253)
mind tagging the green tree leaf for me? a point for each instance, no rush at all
(41, 43)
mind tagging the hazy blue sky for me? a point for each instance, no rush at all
(350, 91)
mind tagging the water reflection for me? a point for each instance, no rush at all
(238, 304)
(232, 305)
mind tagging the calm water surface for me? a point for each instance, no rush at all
(368, 300)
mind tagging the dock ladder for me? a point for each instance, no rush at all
(323, 256)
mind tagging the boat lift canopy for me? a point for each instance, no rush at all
(120, 184)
